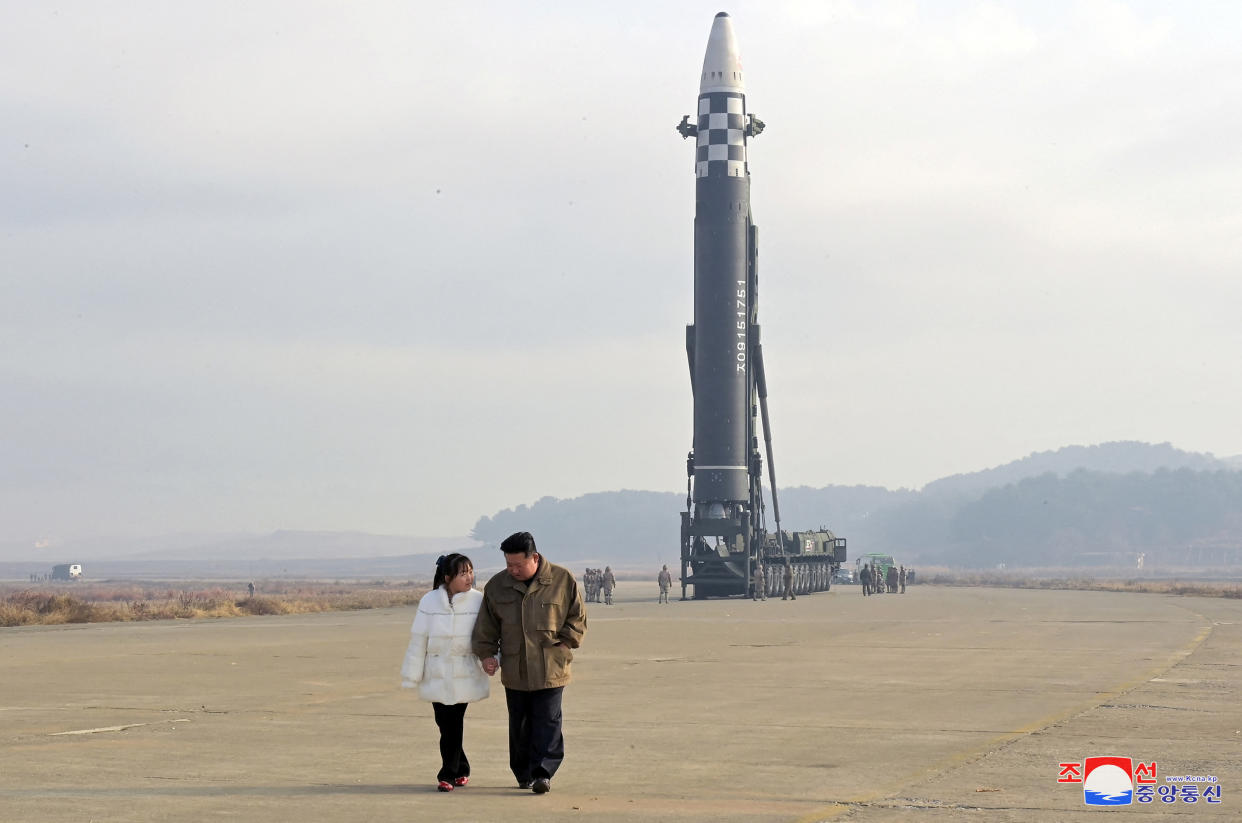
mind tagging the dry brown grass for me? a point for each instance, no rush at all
(122, 601)
(1077, 580)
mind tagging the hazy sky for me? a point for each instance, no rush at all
(391, 266)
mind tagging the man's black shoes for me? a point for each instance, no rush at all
(542, 785)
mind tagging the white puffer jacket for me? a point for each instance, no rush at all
(439, 661)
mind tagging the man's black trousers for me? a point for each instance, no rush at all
(536, 747)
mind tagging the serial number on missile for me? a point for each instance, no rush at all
(741, 327)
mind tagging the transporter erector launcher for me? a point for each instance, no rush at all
(723, 532)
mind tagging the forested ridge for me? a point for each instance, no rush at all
(1077, 505)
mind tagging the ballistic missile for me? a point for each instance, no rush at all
(719, 342)
(724, 532)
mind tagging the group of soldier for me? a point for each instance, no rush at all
(598, 582)
(759, 589)
(876, 580)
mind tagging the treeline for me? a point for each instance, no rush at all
(633, 528)
(1059, 520)
(603, 528)
(1048, 509)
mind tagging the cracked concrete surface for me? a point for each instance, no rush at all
(942, 704)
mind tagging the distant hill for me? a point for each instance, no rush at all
(622, 528)
(289, 545)
(1174, 516)
(967, 519)
(1119, 457)
(842, 509)
(288, 553)
(1111, 498)
(640, 528)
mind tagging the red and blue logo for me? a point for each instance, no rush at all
(1108, 781)
(1121, 781)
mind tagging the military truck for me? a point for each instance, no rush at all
(814, 556)
(882, 561)
(67, 571)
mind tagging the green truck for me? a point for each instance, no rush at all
(882, 561)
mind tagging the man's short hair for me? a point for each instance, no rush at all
(519, 543)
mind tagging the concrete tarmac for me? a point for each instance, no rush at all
(942, 704)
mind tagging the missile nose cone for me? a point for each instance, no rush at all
(722, 64)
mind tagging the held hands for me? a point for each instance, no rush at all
(491, 664)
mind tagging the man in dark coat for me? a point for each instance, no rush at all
(532, 615)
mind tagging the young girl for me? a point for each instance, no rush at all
(439, 661)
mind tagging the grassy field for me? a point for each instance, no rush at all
(105, 601)
(109, 601)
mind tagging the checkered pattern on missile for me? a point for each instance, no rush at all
(722, 136)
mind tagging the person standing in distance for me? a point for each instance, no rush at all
(533, 616)
(787, 578)
(440, 663)
(665, 579)
(610, 583)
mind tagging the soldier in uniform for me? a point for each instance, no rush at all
(665, 580)
(892, 579)
(610, 583)
(759, 592)
(787, 578)
(901, 579)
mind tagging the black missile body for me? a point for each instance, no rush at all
(723, 534)
(723, 249)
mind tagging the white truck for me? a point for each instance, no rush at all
(67, 571)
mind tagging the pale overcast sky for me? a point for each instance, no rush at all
(391, 266)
